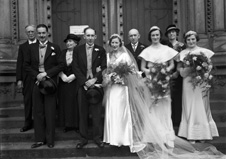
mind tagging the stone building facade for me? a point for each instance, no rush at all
(206, 17)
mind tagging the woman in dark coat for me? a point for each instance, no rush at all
(68, 107)
(172, 33)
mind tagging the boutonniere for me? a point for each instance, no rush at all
(96, 49)
(142, 46)
(53, 53)
(52, 48)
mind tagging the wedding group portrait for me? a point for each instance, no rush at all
(113, 79)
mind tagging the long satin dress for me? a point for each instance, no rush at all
(163, 106)
(118, 122)
(196, 121)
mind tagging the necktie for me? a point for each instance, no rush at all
(89, 62)
(134, 47)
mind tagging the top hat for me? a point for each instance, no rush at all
(94, 95)
(72, 37)
(47, 86)
(171, 27)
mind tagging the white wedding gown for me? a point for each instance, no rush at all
(118, 122)
(131, 120)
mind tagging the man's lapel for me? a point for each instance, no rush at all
(48, 50)
(94, 53)
(36, 50)
(83, 55)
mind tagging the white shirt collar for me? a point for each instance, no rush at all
(134, 44)
(32, 42)
(43, 43)
(88, 46)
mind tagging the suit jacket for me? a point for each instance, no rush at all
(21, 74)
(79, 63)
(139, 49)
(53, 61)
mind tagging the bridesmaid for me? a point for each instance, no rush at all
(68, 108)
(196, 122)
(158, 53)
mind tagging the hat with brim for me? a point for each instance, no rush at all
(47, 86)
(72, 37)
(94, 95)
(170, 28)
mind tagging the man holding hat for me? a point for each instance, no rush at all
(43, 62)
(89, 60)
(68, 107)
(172, 33)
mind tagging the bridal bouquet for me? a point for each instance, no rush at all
(115, 74)
(200, 69)
(158, 81)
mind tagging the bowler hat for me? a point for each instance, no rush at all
(171, 27)
(72, 37)
(94, 95)
(47, 86)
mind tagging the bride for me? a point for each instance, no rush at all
(130, 119)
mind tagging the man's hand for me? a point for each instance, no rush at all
(40, 76)
(90, 82)
(19, 84)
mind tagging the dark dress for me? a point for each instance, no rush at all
(68, 107)
(176, 89)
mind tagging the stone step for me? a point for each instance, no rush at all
(62, 149)
(11, 122)
(12, 111)
(218, 104)
(217, 107)
(14, 135)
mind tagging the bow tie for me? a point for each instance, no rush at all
(42, 46)
(89, 47)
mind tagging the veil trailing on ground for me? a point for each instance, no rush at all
(149, 135)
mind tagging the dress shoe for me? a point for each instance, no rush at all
(37, 144)
(25, 128)
(50, 145)
(99, 143)
(66, 129)
(81, 144)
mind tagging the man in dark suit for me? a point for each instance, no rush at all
(24, 81)
(135, 47)
(44, 61)
(89, 60)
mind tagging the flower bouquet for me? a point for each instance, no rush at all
(201, 67)
(158, 81)
(115, 74)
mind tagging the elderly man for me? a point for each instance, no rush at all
(24, 81)
(135, 47)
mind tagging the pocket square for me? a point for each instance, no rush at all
(53, 54)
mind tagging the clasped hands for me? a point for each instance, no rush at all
(90, 83)
(67, 79)
(41, 77)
